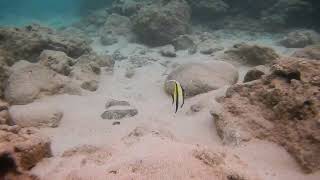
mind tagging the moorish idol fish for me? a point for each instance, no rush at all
(177, 95)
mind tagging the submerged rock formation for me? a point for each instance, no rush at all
(118, 110)
(300, 39)
(27, 145)
(282, 107)
(198, 78)
(252, 54)
(162, 22)
(29, 81)
(36, 115)
(27, 43)
(260, 15)
(57, 61)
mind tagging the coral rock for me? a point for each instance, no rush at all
(28, 146)
(282, 107)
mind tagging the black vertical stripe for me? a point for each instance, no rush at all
(177, 97)
(182, 96)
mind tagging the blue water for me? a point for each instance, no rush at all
(54, 13)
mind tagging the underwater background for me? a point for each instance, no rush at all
(160, 89)
(296, 13)
(53, 13)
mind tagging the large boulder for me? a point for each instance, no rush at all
(162, 22)
(27, 43)
(300, 39)
(197, 78)
(57, 61)
(282, 107)
(29, 81)
(27, 145)
(36, 115)
(252, 54)
(309, 52)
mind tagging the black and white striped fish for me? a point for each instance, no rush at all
(177, 95)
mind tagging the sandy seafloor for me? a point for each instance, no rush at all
(82, 124)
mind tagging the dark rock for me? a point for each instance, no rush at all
(90, 85)
(253, 54)
(116, 123)
(256, 73)
(119, 113)
(300, 39)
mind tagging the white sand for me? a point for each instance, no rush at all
(82, 123)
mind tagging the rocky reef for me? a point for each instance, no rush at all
(27, 43)
(45, 62)
(281, 107)
(20, 150)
